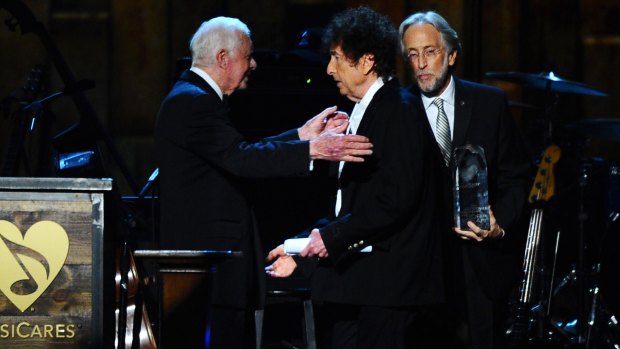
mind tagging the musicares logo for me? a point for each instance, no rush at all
(30, 262)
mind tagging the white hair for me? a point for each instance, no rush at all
(216, 34)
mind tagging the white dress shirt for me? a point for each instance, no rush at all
(203, 74)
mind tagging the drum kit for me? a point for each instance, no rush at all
(580, 309)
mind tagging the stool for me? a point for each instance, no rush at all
(296, 295)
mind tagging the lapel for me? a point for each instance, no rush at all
(365, 128)
(462, 112)
(427, 126)
(370, 112)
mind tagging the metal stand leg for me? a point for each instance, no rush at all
(258, 322)
(309, 325)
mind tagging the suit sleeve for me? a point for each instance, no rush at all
(207, 132)
(286, 136)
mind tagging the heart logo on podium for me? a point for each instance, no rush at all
(30, 262)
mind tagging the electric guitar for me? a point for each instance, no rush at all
(542, 190)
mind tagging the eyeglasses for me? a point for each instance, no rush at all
(429, 53)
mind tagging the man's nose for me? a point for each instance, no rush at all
(422, 61)
(330, 69)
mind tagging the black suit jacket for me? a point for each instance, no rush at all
(389, 202)
(482, 117)
(203, 162)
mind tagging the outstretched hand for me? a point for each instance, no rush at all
(334, 146)
(329, 119)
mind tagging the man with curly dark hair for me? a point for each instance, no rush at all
(371, 299)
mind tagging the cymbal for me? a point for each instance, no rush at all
(546, 81)
(598, 128)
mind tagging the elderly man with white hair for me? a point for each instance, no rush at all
(203, 162)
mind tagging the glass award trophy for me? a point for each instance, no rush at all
(470, 186)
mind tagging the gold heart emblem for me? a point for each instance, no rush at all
(30, 262)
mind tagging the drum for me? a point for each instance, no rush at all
(600, 281)
(595, 199)
(603, 203)
(610, 263)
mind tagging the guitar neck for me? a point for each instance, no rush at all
(542, 190)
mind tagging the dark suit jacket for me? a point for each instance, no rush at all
(482, 117)
(389, 202)
(203, 161)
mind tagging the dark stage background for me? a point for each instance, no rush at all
(132, 51)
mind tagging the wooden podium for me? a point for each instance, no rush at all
(55, 288)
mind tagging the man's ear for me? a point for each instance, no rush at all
(222, 58)
(452, 57)
(366, 63)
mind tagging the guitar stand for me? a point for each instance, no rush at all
(546, 334)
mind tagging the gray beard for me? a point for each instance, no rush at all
(433, 91)
(439, 83)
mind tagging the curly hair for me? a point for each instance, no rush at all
(361, 30)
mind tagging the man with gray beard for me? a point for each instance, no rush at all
(482, 265)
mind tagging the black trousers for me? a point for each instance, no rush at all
(469, 319)
(230, 328)
(341, 326)
(486, 319)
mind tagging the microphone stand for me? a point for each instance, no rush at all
(29, 24)
(35, 108)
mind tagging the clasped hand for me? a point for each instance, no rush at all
(285, 265)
